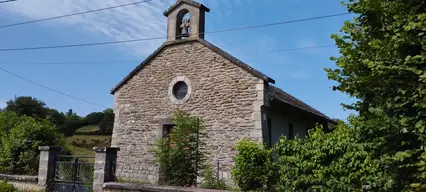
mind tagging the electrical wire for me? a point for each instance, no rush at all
(50, 89)
(73, 14)
(162, 37)
(7, 1)
(138, 61)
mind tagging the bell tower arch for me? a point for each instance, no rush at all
(185, 19)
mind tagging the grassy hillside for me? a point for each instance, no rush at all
(82, 145)
(88, 130)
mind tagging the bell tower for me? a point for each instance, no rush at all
(179, 26)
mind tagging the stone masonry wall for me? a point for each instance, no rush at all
(226, 97)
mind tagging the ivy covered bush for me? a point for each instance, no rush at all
(253, 166)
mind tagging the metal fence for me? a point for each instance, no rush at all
(73, 173)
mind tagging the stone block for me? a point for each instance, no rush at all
(226, 98)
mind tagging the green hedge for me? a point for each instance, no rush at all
(253, 166)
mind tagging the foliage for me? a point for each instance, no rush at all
(253, 165)
(210, 181)
(181, 158)
(107, 123)
(6, 187)
(334, 161)
(55, 117)
(71, 125)
(382, 64)
(67, 123)
(94, 118)
(28, 106)
(20, 140)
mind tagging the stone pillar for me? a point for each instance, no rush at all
(105, 163)
(46, 168)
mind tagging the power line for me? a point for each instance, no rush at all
(73, 14)
(155, 38)
(48, 88)
(7, 1)
(279, 23)
(292, 49)
(66, 63)
(138, 61)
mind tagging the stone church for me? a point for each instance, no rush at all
(233, 100)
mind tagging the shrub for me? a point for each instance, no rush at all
(210, 181)
(6, 187)
(252, 167)
(19, 152)
(335, 161)
(181, 159)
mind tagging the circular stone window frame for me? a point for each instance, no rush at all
(188, 94)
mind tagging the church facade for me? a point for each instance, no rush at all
(233, 100)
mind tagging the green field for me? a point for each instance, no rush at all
(77, 151)
(82, 145)
(87, 130)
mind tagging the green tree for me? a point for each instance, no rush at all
(55, 117)
(94, 118)
(181, 158)
(382, 64)
(20, 140)
(106, 125)
(28, 106)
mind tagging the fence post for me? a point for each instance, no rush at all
(105, 161)
(46, 168)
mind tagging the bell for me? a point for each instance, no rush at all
(185, 28)
(184, 32)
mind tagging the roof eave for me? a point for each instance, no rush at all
(219, 51)
(193, 3)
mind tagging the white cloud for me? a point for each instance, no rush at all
(143, 20)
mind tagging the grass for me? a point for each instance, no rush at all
(77, 151)
(106, 139)
(82, 145)
(88, 129)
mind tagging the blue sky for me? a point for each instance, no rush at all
(299, 73)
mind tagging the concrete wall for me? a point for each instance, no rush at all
(23, 183)
(224, 96)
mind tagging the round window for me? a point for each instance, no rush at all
(180, 90)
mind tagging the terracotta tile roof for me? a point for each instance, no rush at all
(284, 97)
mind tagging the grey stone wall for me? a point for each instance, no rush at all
(22, 182)
(135, 187)
(226, 98)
